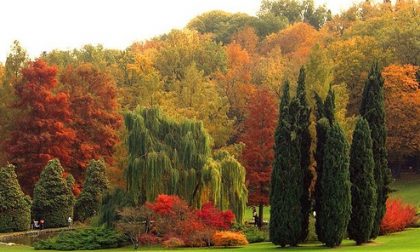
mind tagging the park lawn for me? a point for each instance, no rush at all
(407, 188)
(407, 241)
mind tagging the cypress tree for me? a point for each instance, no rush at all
(372, 109)
(53, 199)
(335, 207)
(286, 217)
(363, 189)
(325, 117)
(96, 184)
(305, 145)
(15, 207)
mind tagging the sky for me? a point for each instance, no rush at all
(44, 25)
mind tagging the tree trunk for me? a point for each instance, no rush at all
(260, 215)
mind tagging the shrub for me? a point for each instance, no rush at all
(215, 218)
(84, 239)
(148, 239)
(15, 212)
(397, 216)
(173, 242)
(254, 235)
(229, 239)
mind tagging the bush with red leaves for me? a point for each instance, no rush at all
(213, 217)
(397, 216)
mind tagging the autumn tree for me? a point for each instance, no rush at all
(372, 109)
(258, 153)
(402, 104)
(363, 189)
(42, 132)
(10, 75)
(93, 104)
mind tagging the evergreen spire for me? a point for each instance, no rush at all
(363, 190)
(335, 208)
(305, 145)
(286, 218)
(372, 109)
(15, 207)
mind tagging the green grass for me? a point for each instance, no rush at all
(407, 241)
(407, 188)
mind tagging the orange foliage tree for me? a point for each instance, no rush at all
(402, 104)
(235, 84)
(41, 133)
(258, 154)
(93, 102)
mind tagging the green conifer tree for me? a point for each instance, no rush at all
(372, 109)
(96, 184)
(53, 199)
(286, 213)
(15, 207)
(305, 145)
(363, 189)
(335, 205)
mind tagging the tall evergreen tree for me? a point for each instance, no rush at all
(96, 184)
(372, 109)
(335, 205)
(305, 145)
(286, 217)
(53, 199)
(324, 116)
(363, 189)
(15, 207)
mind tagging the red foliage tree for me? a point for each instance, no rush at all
(397, 216)
(41, 132)
(93, 102)
(258, 153)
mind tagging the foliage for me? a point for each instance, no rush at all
(402, 104)
(372, 109)
(53, 200)
(95, 118)
(363, 188)
(215, 218)
(335, 203)
(173, 242)
(397, 217)
(96, 184)
(254, 235)
(287, 179)
(229, 239)
(15, 211)
(83, 239)
(147, 239)
(258, 153)
(304, 136)
(41, 134)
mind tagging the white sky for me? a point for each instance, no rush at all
(44, 25)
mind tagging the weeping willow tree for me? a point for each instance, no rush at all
(171, 157)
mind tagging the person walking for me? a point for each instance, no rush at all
(69, 220)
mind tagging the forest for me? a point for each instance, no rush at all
(198, 112)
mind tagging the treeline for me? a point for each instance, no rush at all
(68, 104)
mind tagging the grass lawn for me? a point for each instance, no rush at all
(408, 241)
(407, 188)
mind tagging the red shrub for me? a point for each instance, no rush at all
(173, 242)
(397, 216)
(214, 218)
(148, 239)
